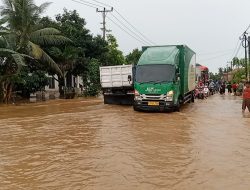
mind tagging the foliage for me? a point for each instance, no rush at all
(114, 56)
(22, 38)
(91, 79)
(88, 52)
(133, 57)
(239, 75)
(31, 82)
(215, 76)
(23, 33)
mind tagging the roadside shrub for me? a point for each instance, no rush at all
(91, 78)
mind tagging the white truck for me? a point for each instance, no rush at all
(117, 84)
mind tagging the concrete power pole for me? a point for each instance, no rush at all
(248, 64)
(104, 14)
(245, 46)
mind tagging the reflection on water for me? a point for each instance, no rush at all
(83, 144)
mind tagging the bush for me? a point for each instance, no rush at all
(91, 78)
(239, 75)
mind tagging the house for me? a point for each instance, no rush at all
(73, 83)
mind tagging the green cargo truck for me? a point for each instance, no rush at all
(164, 78)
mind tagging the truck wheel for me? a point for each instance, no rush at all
(178, 106)
(192, 98)
(135, 109)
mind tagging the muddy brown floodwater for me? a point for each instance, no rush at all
(83, 144)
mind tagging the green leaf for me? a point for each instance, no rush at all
(6, 52)
(3, 20)
(48, 36)
(4, 32)
(41, 55)
(46, 31)
(19, 59)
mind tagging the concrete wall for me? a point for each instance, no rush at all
(52, 90)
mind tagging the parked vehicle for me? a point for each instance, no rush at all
(199, 93)
(206, 91)
(211, 88)
(165, 78)
(117, 84)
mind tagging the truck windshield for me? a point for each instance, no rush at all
(155, 73)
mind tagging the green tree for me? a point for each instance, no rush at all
(21, 17)
(214, 76)
(67, 59)
(31, 81)
(133, 57)
(74, 59)
(91, 79)
(239, 75)
(236, 62)
(22, 35)
(114, 55)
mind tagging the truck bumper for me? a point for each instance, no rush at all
(163, 106)
(119, 99)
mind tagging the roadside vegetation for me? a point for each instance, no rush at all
(237, 71)
(32, 46)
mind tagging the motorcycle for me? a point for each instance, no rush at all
(211, 90)
(199, 93)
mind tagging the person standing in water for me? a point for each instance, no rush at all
(234, 86)
(223, 88)
(229, 88)
(246, 97)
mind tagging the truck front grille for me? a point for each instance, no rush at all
(153, 97)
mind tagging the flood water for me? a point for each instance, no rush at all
(83, 144)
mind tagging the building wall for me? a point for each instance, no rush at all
(52, 90)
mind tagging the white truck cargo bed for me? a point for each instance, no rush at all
(116, 76)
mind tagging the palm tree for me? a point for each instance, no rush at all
(22, 17)
(66, 58)
(236, 62)
(21, 35)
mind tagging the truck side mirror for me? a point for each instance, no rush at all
(178, 77)
(129, 78)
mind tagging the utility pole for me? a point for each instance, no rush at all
(227, 72)
(231, 64)
(245, 46)
(104, 14)
(248, 64)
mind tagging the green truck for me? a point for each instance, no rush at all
(164, 78)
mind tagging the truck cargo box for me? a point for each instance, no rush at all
(117, 84)
(116, 76)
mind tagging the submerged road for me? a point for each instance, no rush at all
(83, 144)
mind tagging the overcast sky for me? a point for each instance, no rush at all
(211, 28)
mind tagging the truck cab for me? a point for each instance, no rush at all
(162, 75)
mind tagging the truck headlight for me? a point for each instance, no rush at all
(170, 93)
(170, 96)
(137, 95)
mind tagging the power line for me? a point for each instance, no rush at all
(246, 30)
(212, 58)
(84, 4)
(144, 38)
(136, 32)
(236, 51)
(125, 31)
(215, 52)
(237, 48)
(92, 4)
(241, 53)
(133, 26)
(147, 42)
(102, 3)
